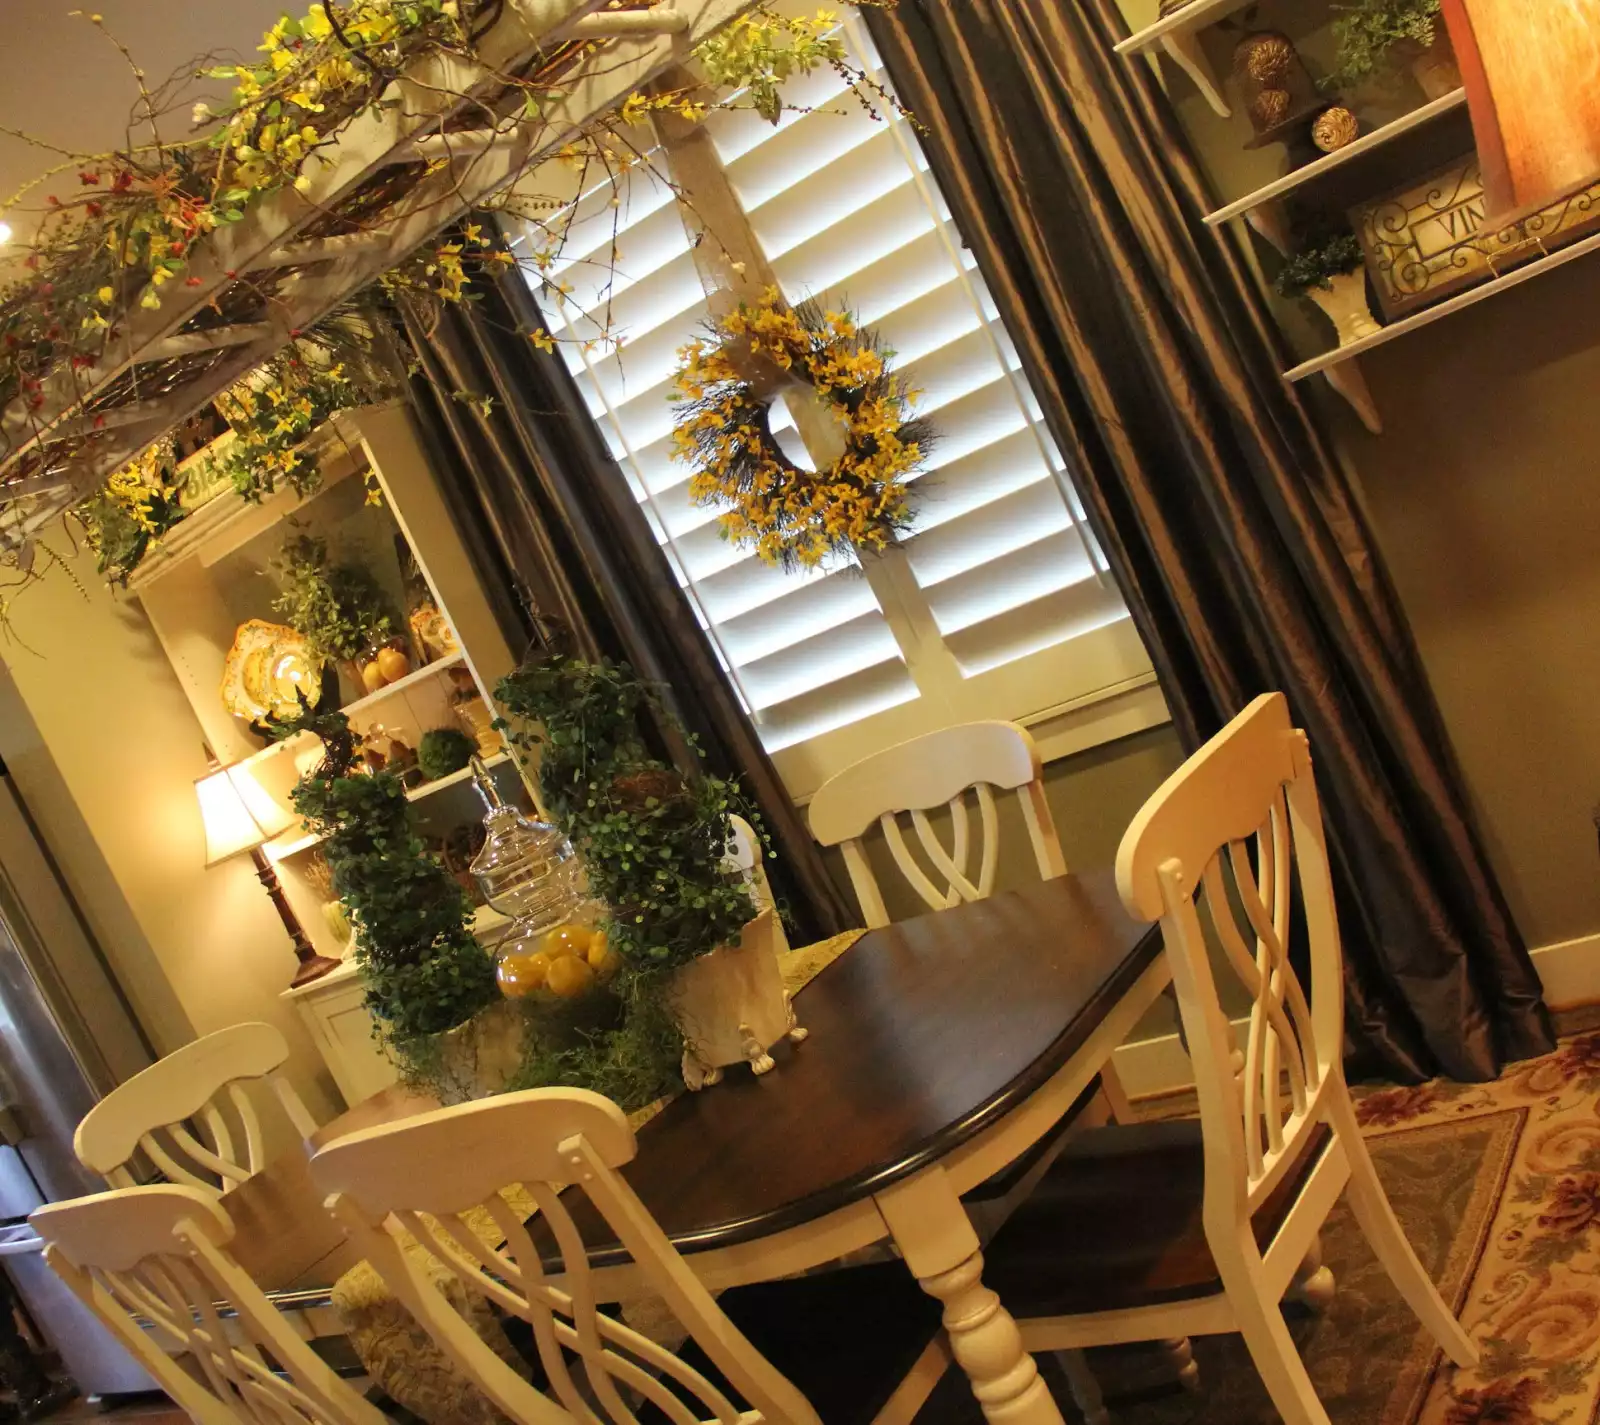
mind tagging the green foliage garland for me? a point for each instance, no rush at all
(424, 970)
(1367, 34)
(1317, 265)
(338, 609)
(653, 840)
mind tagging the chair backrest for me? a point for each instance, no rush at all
(1231, 830)
(452, 1165)
(152, 1111)
(937, 770)
(213, 1342)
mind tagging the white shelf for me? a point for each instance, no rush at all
(419, 675)
(1481, 293)
(281, 850)
(1312, 171)
(1194, 16)
(427, 789)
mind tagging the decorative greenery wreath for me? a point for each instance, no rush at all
(797, 517)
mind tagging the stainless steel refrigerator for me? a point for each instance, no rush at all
(63, 1024)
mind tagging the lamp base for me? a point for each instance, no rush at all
(313, 968)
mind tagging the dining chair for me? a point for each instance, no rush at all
(153, 1264)
(939, 770)
(191, 1083)
(1201, 1228)
(862, 1344)
(934, 771)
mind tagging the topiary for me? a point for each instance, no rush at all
(1368, 33)
(1317, 265)
(444, 750)
(424, 970)
(653, 839)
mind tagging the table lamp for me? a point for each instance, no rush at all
(239, 817)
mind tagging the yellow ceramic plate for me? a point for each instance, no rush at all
(266, 666)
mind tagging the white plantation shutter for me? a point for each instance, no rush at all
(1001, 606)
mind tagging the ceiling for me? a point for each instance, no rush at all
(61, 80)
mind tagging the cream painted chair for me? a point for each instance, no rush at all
(215, 1343)
(859, 1342)
(940, 770)
(189, 1084)
(936, 771)
(1141, 1234)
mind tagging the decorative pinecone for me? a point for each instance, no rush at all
(1269, 109)
(1335, 128)
(1266, 57)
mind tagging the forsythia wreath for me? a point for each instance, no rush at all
(797, 517)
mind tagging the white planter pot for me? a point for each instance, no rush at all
(1345, 304)
(732, 1007)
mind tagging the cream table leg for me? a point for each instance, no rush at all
(936, 1238)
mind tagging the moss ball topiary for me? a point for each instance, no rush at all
(443, 751)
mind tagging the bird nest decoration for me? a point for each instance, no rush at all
(791, 516)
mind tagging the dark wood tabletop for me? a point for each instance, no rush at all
(926, 1033)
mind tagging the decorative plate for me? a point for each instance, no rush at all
(265, 667)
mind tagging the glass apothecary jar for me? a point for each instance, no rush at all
(528, 870)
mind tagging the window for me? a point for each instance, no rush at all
(999, 603)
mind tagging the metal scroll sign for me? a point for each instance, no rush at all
(1436, 237)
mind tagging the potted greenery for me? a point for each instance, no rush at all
(340, 611)
(655, 844)
(1373, 34)
(1330, 271)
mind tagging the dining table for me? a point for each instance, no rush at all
(942, 1050)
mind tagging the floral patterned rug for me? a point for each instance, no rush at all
(1498, 1188)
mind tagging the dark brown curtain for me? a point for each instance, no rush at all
(1237, 540)
(554, 532)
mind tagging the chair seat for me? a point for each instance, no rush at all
(846, 1339)
(1116, 1224)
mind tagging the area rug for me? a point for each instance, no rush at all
(1498, 1189)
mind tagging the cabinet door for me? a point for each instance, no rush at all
(339, 1022)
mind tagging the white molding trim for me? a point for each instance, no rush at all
(1569, 971)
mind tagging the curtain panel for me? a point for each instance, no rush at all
(1235, 535)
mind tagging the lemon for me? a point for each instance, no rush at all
(600, 956)
(567, 939)
(522, 974)
(569, 976)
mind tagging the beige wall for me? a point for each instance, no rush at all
(105, 748)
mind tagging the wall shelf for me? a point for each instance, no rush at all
(1332, 360)
(1310, 172)
(1177, 35)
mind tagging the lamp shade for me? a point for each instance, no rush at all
(237, 814)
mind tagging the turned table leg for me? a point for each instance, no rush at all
(935, 1236)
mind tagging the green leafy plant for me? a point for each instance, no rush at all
(338, 609)
(1368, 33)
(444, 750)
(425, 972)
(1316, 266)
(653, 839)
